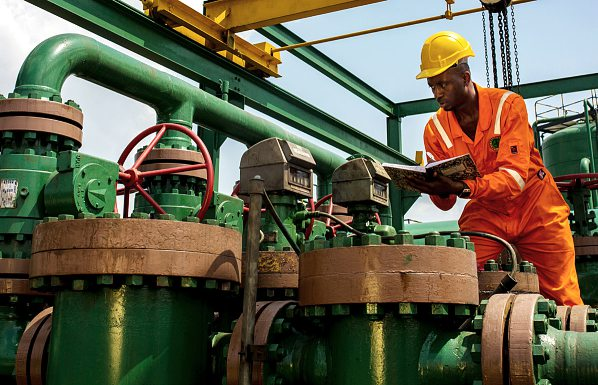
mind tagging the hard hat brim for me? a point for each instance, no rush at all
(431, 72)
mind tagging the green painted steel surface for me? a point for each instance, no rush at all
(133, 30)
(375, 350)
(587, 274)
(12, 325)
(129, 336)
(286, 206)
(573, 357)
(282, 36)
(83, 184)
(564, 150)
(448, 356)
(528, 91)
(175, 101)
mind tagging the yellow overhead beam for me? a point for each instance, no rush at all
(242, 15)
(207, 32)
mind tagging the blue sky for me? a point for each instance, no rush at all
(556, 39)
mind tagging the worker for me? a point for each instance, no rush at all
(515, 198)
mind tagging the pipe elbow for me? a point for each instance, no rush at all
(49, 64)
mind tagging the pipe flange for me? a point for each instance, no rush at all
(525, 352)
(271, 322)
(582, 319)
(23, 114)
(32, 352)
(160, 158)
(17, 286)
(564, 313)
(388, 274)
(495, 318)
(527, 282)
(131, 247)
(14, 267)
(278, 270)
(585, 246)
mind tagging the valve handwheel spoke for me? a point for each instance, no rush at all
(587, 180)
(132, 178)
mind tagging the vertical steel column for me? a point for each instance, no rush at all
(590, 148)
(394, 215)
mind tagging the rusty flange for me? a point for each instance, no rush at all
(135, 247)
(564, 314)
(579, 318)
(17, 286)
(14, 267)
(388, 274)
(585, 246)
(521, 339)
(32, 354)
(41, 116)
(493, 338)
(278, 270)
(266, 313)
(233, 357)
(489, 280)
(164, 158)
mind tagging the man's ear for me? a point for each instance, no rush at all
(466, 77)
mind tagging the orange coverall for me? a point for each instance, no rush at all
(516, 198)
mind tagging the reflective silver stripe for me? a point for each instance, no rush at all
(499, 112)
(515, 176)
(440, 129)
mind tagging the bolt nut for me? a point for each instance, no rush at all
(540, 323)
(482, 307)
(591, 326)
(539, 354)
(556, 323)
(407, 308)
(491, 265)
(340, 309)
(403, 238)
(371, 240)
(434, 239)
(546, 307)
(478, 322)
(440, 309)
(476, 353)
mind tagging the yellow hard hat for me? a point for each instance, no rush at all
(441, 51)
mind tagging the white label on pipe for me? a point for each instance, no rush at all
(8, 193)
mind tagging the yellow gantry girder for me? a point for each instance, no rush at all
(242, 15)
(209, 33)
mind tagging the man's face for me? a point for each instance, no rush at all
(449, 88)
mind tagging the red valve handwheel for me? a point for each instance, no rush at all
(588, 180)
(133, 178)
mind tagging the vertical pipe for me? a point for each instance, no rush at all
(590, 146)
(256, 188)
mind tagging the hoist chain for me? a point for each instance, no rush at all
(509, 69)
(515, 45)
(486, 50)
(501, 36)
(493, 49)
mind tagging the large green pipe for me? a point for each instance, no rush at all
(573, 357)
(46, 68)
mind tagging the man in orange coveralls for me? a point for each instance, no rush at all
(516, 198)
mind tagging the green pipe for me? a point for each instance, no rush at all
(572, 357)
(450, 356)
(129, 336)
(46, 68)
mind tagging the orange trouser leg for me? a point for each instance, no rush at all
(548, 245)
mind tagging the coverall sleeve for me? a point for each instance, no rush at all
(513, 158)
(435, 152)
